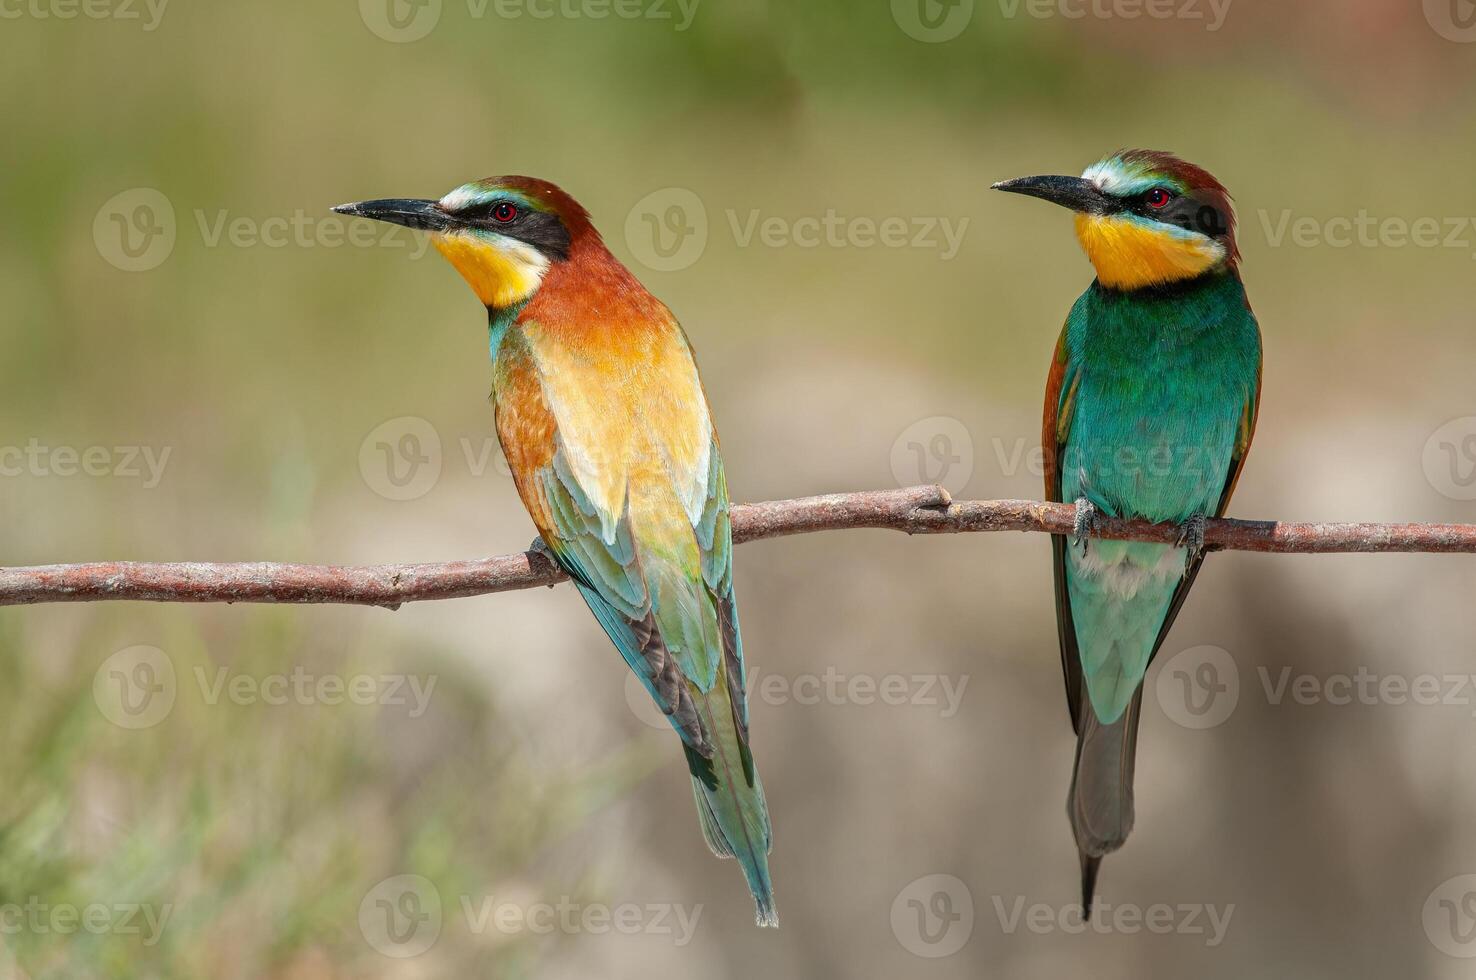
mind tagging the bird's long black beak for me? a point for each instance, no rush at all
(1069, 192)
(409, 212)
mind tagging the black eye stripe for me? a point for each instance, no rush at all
(1181, 210)
(541, 229)
(483, 209)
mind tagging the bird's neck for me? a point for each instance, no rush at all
(1171, 314)
(589, 292)
(1219, 281)
(499, 319)
(588, 299)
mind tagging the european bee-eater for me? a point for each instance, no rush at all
(1149, 412)
(606, 428)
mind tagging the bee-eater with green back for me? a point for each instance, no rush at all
(605, 426)
(1150, 407)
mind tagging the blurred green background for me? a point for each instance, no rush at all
(178, 295)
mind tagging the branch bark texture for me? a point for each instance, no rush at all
(913, 510)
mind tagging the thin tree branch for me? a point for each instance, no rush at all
(915, 510)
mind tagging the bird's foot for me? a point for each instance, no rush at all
(1191, 537)
(1086, 522)
(540, 547)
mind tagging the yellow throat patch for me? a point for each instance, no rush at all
(500, 274)
(1130, 255)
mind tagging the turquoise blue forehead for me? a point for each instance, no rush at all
(470, 195)
(1120, 178)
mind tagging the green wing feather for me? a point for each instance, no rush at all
(673, 628)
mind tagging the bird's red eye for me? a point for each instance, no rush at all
(504, 212)
(1158, 197)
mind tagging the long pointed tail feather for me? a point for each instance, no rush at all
(1101, 801)
(735, 824)
(1089, 868)
(730, 799)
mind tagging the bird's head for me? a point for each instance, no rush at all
(501, 233)
(1144, 217)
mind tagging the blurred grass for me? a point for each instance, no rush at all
(253, 830)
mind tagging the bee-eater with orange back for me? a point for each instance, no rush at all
(605, 426)
(1150, 408)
